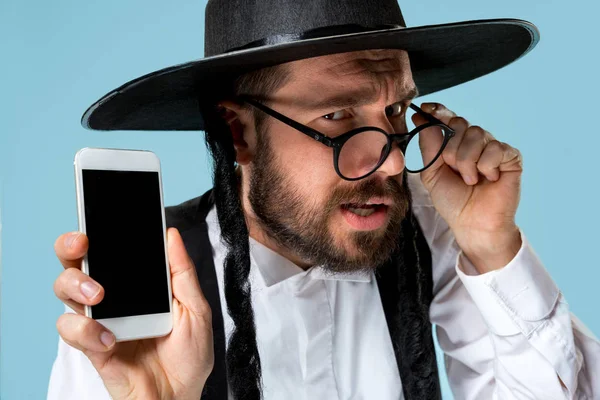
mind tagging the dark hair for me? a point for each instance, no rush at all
(260, 83)
(242, 358)
(404, 267)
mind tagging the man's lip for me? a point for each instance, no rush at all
(373, 200)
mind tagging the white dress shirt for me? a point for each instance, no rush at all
(506, 334)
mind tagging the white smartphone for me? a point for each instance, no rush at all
(120, 208)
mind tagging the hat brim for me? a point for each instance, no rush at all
(441, 56)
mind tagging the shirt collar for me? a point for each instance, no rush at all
(275, 268)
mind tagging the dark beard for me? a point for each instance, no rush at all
(289, 220)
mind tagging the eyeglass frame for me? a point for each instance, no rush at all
(337, 142)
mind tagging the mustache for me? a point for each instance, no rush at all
(365, 190)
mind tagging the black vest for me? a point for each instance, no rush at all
(410, 331)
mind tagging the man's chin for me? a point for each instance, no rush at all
(363, 250)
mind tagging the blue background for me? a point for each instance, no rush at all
(60, 56)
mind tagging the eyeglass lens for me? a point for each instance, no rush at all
(362, 153)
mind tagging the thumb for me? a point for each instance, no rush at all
(430, 142)
(185, 285)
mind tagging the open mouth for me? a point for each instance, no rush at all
(366, 216)
(363, 210)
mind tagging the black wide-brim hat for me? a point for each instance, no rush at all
(246, 35)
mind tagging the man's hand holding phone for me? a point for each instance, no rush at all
(175, 366)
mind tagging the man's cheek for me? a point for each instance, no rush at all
(312, 178)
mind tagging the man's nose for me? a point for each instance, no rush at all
(395, 162)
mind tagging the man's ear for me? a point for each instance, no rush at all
(238, 120)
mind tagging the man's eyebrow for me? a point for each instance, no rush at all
(354, 98)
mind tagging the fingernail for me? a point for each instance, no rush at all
(70, 239)
(89, 289)
(470, 180)
(428, 107)
(107, 338)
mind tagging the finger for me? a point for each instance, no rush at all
(70, 249)
(498, 157)
(459, 125)
(430, 141)
(474, 141)
(439, 111)
(74, 288)
(84, 333)
(186, 288)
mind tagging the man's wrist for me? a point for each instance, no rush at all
(493, 251)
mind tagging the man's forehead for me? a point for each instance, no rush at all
(352, 63)
(360, 74)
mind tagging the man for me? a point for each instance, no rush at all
(333, 249)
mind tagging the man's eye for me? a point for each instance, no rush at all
(394, 110)
(335, 116)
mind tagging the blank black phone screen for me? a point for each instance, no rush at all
(126, 246)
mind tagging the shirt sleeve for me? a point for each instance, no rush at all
(73, 376)
(505, 334)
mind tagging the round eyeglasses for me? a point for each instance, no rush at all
(361, 151)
